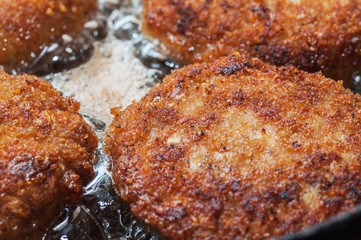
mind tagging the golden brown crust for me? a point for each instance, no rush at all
(238, 149)
(46, 150)
(27, 26)
(312, 35)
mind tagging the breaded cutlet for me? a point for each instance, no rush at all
(312, 35)
(46, 154)
(238, 149)
(27, 27)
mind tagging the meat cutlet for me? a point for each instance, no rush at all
(312, 35)
(28, 26)
(46, 149)
(238, 149)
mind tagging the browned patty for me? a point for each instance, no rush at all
(27, 26)
(45, 155)
(310, 34)
(238, 149)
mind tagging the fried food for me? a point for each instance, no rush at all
(311, 35)
(238, 149)
(28, 26)
(46, 150)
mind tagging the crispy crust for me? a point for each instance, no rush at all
(311, 35)
(27, 26)
(46, 150)
(238, 149)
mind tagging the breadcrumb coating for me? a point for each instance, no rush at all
(238, 149)
(311, 35)
(28, 26)
(46, 149)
